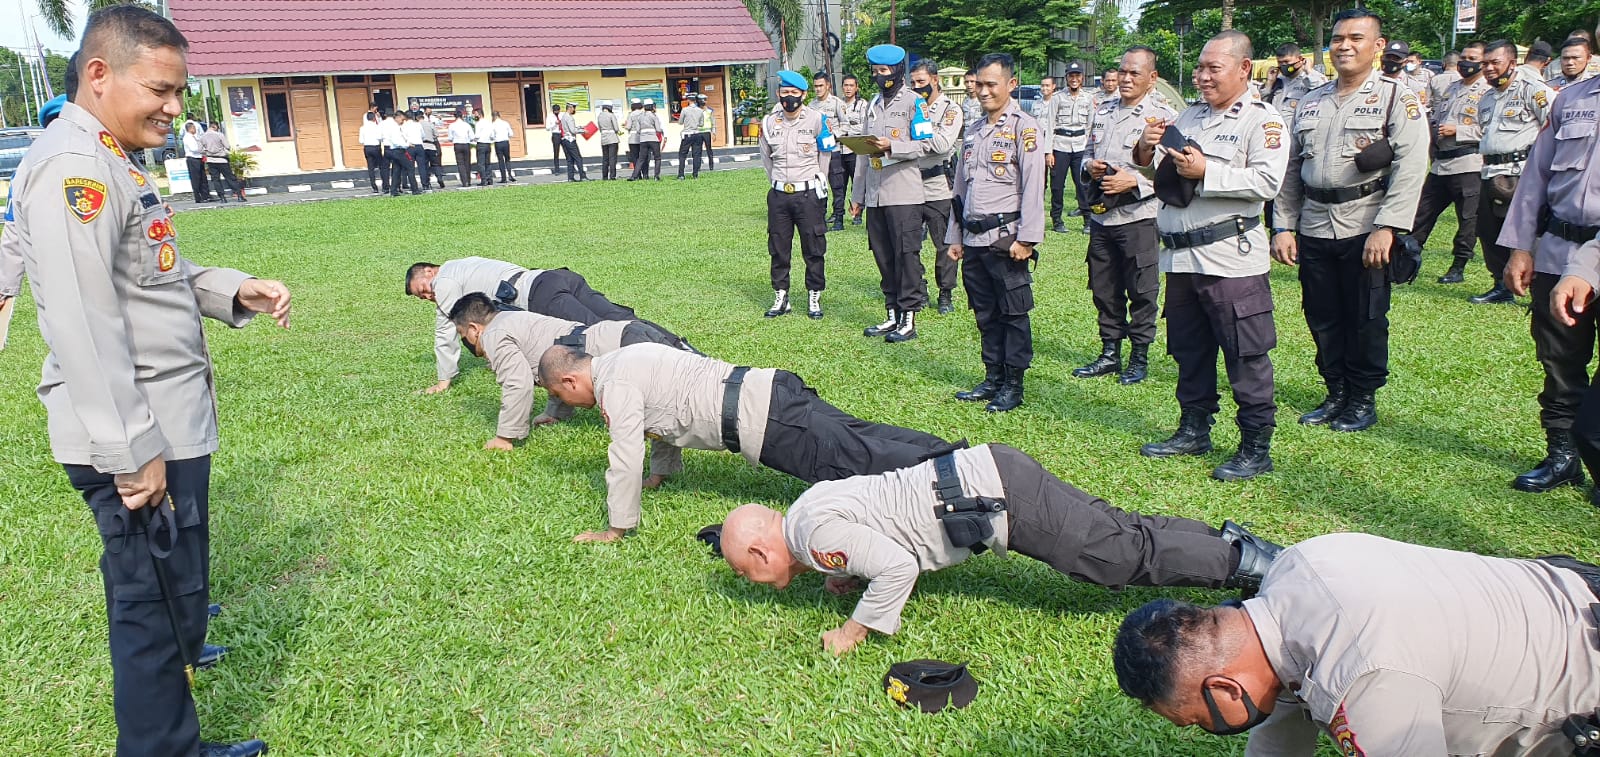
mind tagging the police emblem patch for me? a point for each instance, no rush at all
(1030, 139)
(1362, 142)
(999, 157)
(138, 178)
(950, 117)
(1466, 120)
(830, 560)
(167, 257)
(85, 198)
(1273, 140)
(160, 229)
(894, 133)
(1343, 737)
(111, 144)
(1412, 111)
(1372, 99)
(1000, 171)
(1540, 98)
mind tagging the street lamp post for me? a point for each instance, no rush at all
(1181, 26)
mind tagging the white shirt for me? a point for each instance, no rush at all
(413, 133)
(191, 145)
(392, 136)
(502, 130)
(460, 132)
(485, 131)
(371, 134)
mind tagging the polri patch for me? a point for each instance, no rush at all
(85, 198)
(950, 117)
(1030, 139)
(1540, 98)
(1343, 736)
(167, 257)
(830, 560)
(110, 143)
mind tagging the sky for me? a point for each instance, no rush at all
(17, 15)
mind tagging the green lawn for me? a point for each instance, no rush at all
(391, 588)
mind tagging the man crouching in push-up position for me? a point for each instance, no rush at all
(890, 527)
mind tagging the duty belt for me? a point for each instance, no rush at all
(981, 224)
(577, 338)
(965, 519)
(730, 408)
(1565, 229)
(932, 171)
(1459, 152)
(1500, 159)
(1070, 132)
(790, 187)
(1346, 194)
(1233, 227)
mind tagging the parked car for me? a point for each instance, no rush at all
(1027, 96)
(14, 143)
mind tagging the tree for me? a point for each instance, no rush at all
(959, 33)
(57, 14)
(13, 85)
(783, 18)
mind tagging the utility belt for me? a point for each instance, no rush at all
(1500, 159)
(790, 187)
(506, 291)
(730, 408)
(1583, 729)
(965, 519)
(1459, 152)
(1347, 194)
(933, 171)
(1233, 227)
(990, 222)
(1551, 223)
(1071, 132)
(577, 338)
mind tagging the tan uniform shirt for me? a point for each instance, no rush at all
(457, 279)
(513, 343)
(689, 119)
(1439, 85)
(1327, 132)
(649, 126)
(1561, 173)
(881, 528)
(852, 121)
(1417, 81)
(1064, 122)
(1459, 107)
(631, 126)
(1245, 163)
(610, 130)
(945, 116)
(1287, 97)
(128, 377)
(675, 397)
(1113, 132)
(1398, 649)
(1511, 121)
(10, 261)
(1560, 81)
(1001, 171)
(832, 110)
(891, 178)
(788, 147)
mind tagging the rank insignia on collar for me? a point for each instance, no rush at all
(830, 560)
(138, 178)
(85, 198)
(167, 257)
(111, 144)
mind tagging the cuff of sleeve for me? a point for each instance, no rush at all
(115, 459)
(219, 298)
(884, 625)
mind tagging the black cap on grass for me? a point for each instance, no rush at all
(930, 685)
(712, 536)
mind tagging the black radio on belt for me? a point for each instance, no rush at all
(507, 290)
(965, 519)
(577, 339)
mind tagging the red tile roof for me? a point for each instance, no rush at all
(277, 37)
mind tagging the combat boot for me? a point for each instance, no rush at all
(1138, 365)
(1193, 436)
(250, 748)
(814, 307)
(1559, 467)
(1253, 458)
(780, 304)
(1255, 558)
(1455, 275)
(887, 326)
(985, 390)
(905, 331)
(1331, 407)
(1497, 295)
(836, 223)
(1109, 361)
(1009, 397)
(946, 303)
(1359, 414)
(1059, 227)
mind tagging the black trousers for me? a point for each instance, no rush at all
(1491, 219)
(608, 161)
(485, 150)
(1000, 292)
(1067, 163)
(377, 167)
(502, 152)
(1438, 192)
(690, 144)
(648, 151)
(646, 332)
(1564, 352)
(1206, 314)
(574, 160)
(402, 174)
(1347, 310)
(560, 293)
(936, 217)
(419, 161)
(814, 441)
(197, 178)
(1086, 538)
(841, 169)
(555, 154)
(222, 179)
(1586, 431)
(1124, 278)
(705, 140)
(150, 696)
(788, 213)
(464, 163)
(432, 164)
(894, 232)
(633, 157)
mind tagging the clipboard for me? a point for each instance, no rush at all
(860, 145)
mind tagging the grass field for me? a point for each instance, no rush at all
(392, 588)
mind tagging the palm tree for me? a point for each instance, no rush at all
(57, 14)
(786, 18)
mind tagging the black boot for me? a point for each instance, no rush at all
(1138, 365)
(1193, 436)
(1058, 227)
(1497, 295)
(836, 223)
(1255, 558)
(1559, 467)
(905, 331)
(1253, 458)
(1331, 407)
(1456, 273)
(1010, 395)
(947, 304)
(249, 748)
(887, 326)
(985, 390)
(210, 655)
(1109, 361)
(780, 304)
(1360, 413)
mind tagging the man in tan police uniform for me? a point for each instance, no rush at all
(888, 528)
(795, 145)
(1457, 125)
(692, 401)
(1572, 299)
(1513, 111)
(1064, 138)
(1388, 648)
(945, 117)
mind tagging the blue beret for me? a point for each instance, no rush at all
(886, 55)
(793, 79)
(51, 109)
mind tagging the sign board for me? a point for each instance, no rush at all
(244, 119)
(647, 90)
(576, 93)
(445, 107)
(178, 179)
(442, 84)
(1466, 15)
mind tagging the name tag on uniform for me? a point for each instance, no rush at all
(149, 200)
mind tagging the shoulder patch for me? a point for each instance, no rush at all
(1540, 98)
(1030, 139)
(830, 560)
(85, 197)
(167, 257)
(1344, 737)
(949, 116)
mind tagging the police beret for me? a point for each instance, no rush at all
(793, 79)
(51, 109)
(1405, 259)
(1074, 68)
(1398, 48)
(886, 55)
(711, 536)
(930, 685)
(1099, 202)
(1173, 188)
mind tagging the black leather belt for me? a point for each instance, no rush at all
(1071, 132)
(1232, 227)
(1570, 231)
(730, 408)
(932, 171)
(980, 224)
(1459, 152)
(1503, 158)
(1346, 194)
(577, 338)
(965, 519)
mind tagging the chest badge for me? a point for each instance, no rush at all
(167, 257)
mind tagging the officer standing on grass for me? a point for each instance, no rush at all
(461, 140)
(842, 169)
(1571, 301)
(647, 127)
(1457, 124)
(689, 122)
(128, 383)
(886, 529)
(610, 136)
(1066, 135)
(569, 145)
(795, 146)
(832, 109)
(631, 126)
(483, 135)
(1513, 111)
(935, 164)
(999, 214)
(1556, 210)
(685, 400)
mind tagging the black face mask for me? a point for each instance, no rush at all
(1291, 69)
(1468, 68)
(926, 92)
(1220, 727)
(886, 82)
(1502, 80)
(1392, 67)
(791, 103)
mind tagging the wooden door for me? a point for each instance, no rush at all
(352, 104)
(716, 94)
(506, 97)
(312, 142)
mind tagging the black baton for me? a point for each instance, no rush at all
(166, 514)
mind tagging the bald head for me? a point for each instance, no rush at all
(567, 373)
(753, 545)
